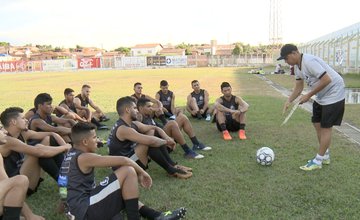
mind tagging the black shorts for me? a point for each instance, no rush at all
(105, 200)
(231, 124)
(328, 115)
(203, 115)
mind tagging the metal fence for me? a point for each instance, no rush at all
(117, 62)
(339, 49)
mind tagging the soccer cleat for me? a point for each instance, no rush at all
(172, 215)
(181, 174)
(193, 155)
(100, 142)
(242, 135)
(102, 127)
(184, 168)
(208, 118)
(326, 161)
(311, 166)
(201, 146)
(199, 116)
(173, 117)
(226, 135)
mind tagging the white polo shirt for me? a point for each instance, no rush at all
(312, 69)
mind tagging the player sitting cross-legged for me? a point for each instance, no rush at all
(119, 191)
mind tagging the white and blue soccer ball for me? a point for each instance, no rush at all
(265, 156)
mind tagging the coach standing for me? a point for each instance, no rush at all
(329, 103)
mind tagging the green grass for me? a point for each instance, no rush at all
(228, 183)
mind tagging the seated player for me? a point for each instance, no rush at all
(167, 98)
(43, 120)
(13, 192)
(133, 139)
(171, 128)
(117, 192)
(198, 102)
(68, 104)
(230, 113)
(157, 105)
(56, 110)
(15, 149)
(82, 102)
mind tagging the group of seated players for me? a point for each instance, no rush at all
(62, 141)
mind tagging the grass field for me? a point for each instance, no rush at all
(228, 183)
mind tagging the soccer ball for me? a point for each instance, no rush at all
(265, 156)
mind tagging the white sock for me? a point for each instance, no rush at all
(327, 154)
(318, 159)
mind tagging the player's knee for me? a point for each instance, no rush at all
(172, 123)
(21, 181)
(123, 171)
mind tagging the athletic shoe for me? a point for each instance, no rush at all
(208, 118)
(242, 135)
(311, 166)
(173, 117)
(100, 142)
(199, 116)
(193, 155)
(184, 168)
(324, 161)
(102, 127)
(172, 215)
(104, 118)
(181, 174)
(201, 146)
(226, 135)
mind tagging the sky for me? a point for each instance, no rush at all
(110, 24)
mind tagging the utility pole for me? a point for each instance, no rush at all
(275, 23)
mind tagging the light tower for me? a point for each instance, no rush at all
(275, 23)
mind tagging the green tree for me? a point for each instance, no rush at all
(4, 44)
(237, 50)
(124, 50)
(187, 48)
(57, 49)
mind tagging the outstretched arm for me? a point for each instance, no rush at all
(299, 86)
(87, 161)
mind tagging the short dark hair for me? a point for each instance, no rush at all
(41, 99)
(123, 103)
(8, 114)
(225, 84)
(194, 81)
(80, 131)
(163, 83)
(137, 84)
(85, 86)
(286, 50)
(142, 102)
(67, 91)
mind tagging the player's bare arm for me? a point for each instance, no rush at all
(42, 125)
(126, 133)
(299, 86)
(30, 134)
(221, 108)
(87, 161)
(242, 105)
(206, 102)
(94, 106)
(13, 144)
